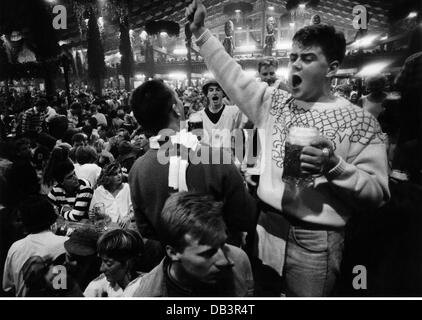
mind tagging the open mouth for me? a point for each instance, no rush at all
(296, 81)
(215, 99)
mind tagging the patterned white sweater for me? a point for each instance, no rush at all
(359, 181)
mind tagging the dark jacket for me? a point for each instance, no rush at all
(149, 188)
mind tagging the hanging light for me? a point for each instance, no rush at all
(412, 14)
(373, 69)
(180, 51)
(365, 41)
(284, 45)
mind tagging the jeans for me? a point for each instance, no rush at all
(312, 262)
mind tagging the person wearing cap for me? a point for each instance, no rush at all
(82, 263)
(198, 260)
(119, 251)
(34, 118)
(37, 216)
(219, 120)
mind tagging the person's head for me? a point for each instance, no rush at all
(37, 213)
(41, 105)
(86, 155)
(58, 126)
(124, 148)
(119, 250)
(122, 135)
(81, 250)
(21, 181)
(23, 149)
(93, 108)
(156, 106)
(102, 131)
(121, 113)
(214, 93)
(194, 234)
(111, 176)
(267, 70)
(317, 52)
(76, 108)
(79, 140)
(99, 146)
(376, 84)
(61, 169)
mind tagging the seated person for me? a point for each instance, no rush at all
(37, 216)
(198, 262)
(114, 194)
(71, 196)
(119, 250)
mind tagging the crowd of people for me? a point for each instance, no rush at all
(191, 185)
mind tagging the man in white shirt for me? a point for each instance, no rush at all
(37, 216)
(219, 120)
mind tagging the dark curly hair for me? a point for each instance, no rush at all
(332, 42)
(58, 165)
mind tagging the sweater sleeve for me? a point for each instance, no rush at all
(81, 208)
(252, 97)
(365, 173)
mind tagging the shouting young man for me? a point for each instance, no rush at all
(346, 166)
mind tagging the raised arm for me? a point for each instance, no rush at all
(252, 97)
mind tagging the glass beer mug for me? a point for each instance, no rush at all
(297, 138)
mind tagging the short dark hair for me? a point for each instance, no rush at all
(86, 155)
(151, 104)
(41, 102)
(121, 245)
(58, 166)
(267, 63)
(331, 42)
(79, 137)
(195, 214)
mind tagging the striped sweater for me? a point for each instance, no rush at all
(79, 202)
(33, 120)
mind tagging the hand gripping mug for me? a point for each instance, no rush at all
(297, 138)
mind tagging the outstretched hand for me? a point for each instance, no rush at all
(196, 14)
